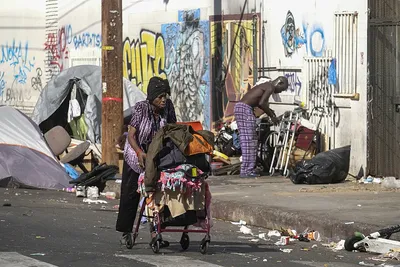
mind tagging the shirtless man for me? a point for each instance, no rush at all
(257, 97)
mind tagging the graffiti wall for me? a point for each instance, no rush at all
(144, 58)
(234, 76)
(187, 65)
(180, 52)
(17, 69)
(58, 47)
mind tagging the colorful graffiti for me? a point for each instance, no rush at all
(237, 71)
(58, 46)
(312, 36)
(57, 49)
(294, 83)
(16, 55)
(144, 58)
(87, 40)
(187, 66)
(2, 83)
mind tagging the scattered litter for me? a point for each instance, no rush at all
(274, 233)
(245, 230)
(118, 181)
(116, 207)
(359, 205)
(40, 237)
(349, 223)
(339, 245)
(80, 191)
(286, 250)
(92, 192)
(314, 246)
(365, 264)
(254, 240)
(305, 249)
(262, 236)
(7, 205)
(241, 222)
(17, 194)
(391, 182)
(28, 214)
(103, 207)
(283, 241)
(2, 220)
(91, 201)
(111, 195)
(38, 254)
(265, 260)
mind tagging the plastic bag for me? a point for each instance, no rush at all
(325, 168)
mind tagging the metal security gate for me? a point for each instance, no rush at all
(384, 88)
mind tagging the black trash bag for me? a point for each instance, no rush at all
(328, 167)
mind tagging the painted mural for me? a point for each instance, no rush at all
(232, 75)
(310, 35)
(179, 52)
(187, 65)
(144, 58)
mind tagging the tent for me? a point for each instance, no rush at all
(83, 84)
(25, 158)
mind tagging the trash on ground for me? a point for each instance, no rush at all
(80, 191)
(111, 195)
(38, 254)
(339, 245)
(362, 263)
(284, 241)
(286, 250)
(69, 189)
(314, 246)
(116, 207)
(245, 230)
(328, 167)
(263, 236)
(92, 192)
(349, 223)
(391, 182)
(255, 240)
(241, 222)
(274, 233)
(264, 260)
(40, 237)
(91, 201)
(7, 205)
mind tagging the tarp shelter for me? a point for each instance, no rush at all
(83, 85)
(25, 158)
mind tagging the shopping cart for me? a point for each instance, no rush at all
(188, 181)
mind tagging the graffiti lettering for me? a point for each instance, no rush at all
(36, 82)
(294, 83)
(87, 40)
(16, 56)
(2, 83)
(144, 58)
(187, 67)
(292, 38)
(57, 47)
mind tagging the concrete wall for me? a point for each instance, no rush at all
(178, 41)
(22, 27)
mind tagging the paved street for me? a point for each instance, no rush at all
(48, 228)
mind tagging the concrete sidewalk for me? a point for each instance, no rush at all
(336, 211)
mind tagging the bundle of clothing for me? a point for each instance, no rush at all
(185, 178)
(176, 171)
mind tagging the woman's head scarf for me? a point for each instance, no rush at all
(157, 86)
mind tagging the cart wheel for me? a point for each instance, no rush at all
(156, 246)
(349, 243)
(271, 173)
(204, 247)
(286, 173)
(185, 241)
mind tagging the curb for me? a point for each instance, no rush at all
(275, 218)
